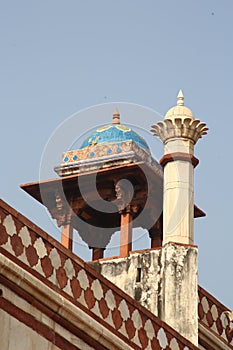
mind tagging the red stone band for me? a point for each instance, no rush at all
(186, 157)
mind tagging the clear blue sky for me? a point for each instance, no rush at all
(59, 57)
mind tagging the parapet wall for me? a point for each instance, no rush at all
(111, 316)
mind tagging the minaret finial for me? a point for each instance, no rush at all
(116, 117)
(180, 98)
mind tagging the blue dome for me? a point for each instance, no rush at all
(114, 133)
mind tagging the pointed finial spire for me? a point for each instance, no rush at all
(180, 98)
(116, 117)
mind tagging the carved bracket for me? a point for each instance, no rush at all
(60, 210)
(124, 194)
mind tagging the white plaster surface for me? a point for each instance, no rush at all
(55, 258)
(97, 289)
(15, 335)
(69, 268)
(110, 300)
(123, 308)
(96, 309)
(40, 248)
(168, 286)
(174, 345)
(162, 338)
(9, 225)
(83, 280)
(136, 318)
(25, 236)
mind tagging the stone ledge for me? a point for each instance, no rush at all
(60, 305)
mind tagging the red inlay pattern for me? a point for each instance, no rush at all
(103, 308)
(130, 329)
(46, 266)
(61, 277)
(212, 313)
(219, 326)
(117, 319)
(76, 289)
(32, 256)
(3, 236)
(17, 245)
(201, 313)
(209, 318)
(155, 344)
(89, 298)
(143, 337)
(53, 264)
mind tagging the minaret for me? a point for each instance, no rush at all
(179, 288)
(179, 132)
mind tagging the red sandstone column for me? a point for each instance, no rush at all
(156, 242)
(97, 253)
(126, 234)
(156, 234)
(67, 236)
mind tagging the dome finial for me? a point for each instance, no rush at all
(180, 98)
(179, 111)
(116, 117)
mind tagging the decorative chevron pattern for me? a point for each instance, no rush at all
(49, 261)
(213, 314)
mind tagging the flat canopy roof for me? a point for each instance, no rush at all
(100, 184)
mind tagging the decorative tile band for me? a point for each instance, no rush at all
(104, 150)
(117, 152)
(101, 150)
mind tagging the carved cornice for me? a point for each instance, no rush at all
(183, 128)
